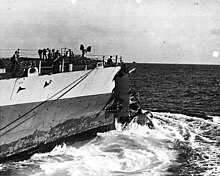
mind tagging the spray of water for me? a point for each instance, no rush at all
(179, 145)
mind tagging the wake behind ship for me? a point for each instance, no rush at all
(40, 109)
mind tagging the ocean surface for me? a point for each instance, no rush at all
(185, 102)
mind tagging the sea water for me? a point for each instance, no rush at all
(185, 101)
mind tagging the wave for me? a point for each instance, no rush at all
(111, 153)
(179, 145)
(215, 119)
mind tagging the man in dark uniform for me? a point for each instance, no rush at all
(40, 51)
(56, 61)
(44, 54)
(15, 63)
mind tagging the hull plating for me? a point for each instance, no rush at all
(41, 110)
(55, 120)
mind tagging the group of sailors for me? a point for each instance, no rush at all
(52, 55)
(55, 58)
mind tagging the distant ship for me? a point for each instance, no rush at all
(41, 108)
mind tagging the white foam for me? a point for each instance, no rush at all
(130, 151)
(216, 119)
(134, 150)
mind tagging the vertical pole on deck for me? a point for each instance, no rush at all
(62, 69)
(65, 51)
(39, 67)
(18, 52)
(116, 59)
(103, 60)
(86, 67)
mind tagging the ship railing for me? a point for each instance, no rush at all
(29, 58)
(107, 60)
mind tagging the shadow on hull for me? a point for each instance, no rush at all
(42, 148)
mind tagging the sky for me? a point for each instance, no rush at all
(146, 31)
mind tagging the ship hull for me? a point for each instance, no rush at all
(47, 122)
(51, 122)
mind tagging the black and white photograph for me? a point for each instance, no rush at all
(109, 87)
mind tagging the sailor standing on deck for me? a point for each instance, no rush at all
(69, 55)
(44, 54)
(56, 61)
(15, 63)
(53, 54)
(40, 51)
(49, 55)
